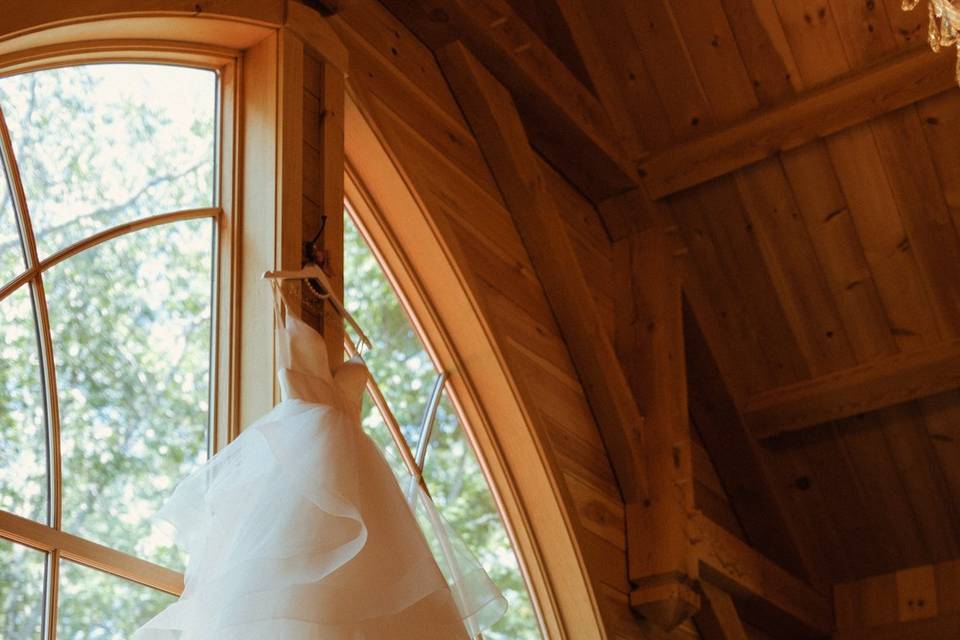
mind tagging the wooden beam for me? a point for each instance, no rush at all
(741, 466)
(718, 618)
(564, 120)
(816, 114)
(317, 34)
(941, 628)
(496, 123)
(770, 597)
(874, 385)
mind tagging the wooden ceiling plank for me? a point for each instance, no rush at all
(838, 250)
(916, 464)
(830, 46)
(857, 522)
(623, 56)
(909, 27)
(671, 71)
(930, 232)
(808, 507)
(815, 283)
(871, 459)
(813, 115)
(874, 213)
(716, 58)
(718, 618)
(564, 120)
(865, 31)
(942, 418)
(725, 249)
(940, 119)
(793, 266)
(771, 596)
(866, 34)
(766, 53)
(866, 387)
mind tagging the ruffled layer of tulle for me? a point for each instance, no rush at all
(298, 530)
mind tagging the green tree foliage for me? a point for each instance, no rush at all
(130, 322)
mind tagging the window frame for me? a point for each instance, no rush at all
(224, 421)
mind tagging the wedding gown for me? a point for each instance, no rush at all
(298, 530)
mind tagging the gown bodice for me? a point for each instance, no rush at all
(304, 370)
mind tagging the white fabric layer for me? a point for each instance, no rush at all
(298, 529)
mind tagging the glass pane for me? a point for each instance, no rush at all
(23, 432)
(22, 573)
(103, 144)
(98, 606)
(376, 428)
(12, 259)
(460, 491)
(131, 334)
(402, 367)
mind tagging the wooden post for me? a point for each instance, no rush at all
(650, 346)
(313, 121)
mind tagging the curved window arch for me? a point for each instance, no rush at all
(413, 386)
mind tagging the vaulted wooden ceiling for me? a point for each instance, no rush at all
(825, 277)
(806, 155)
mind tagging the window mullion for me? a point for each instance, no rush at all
(49, 377)
(429, 418)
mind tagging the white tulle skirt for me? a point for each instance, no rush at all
(298, 530)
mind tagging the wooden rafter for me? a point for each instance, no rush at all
(718, 618)
(816, 114)
(769, 596)
(564, 120)
(874, 385)
(496, 123)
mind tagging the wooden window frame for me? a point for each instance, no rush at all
(254, 65)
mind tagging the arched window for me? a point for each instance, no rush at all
(109, 213)
(410, 380)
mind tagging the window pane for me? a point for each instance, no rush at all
(98, 606)
(402, 367)
(103, 144)
(376, 428)
(131, 334)
(22, 573)
(12, 259)
(23, 433)
(459, 489)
